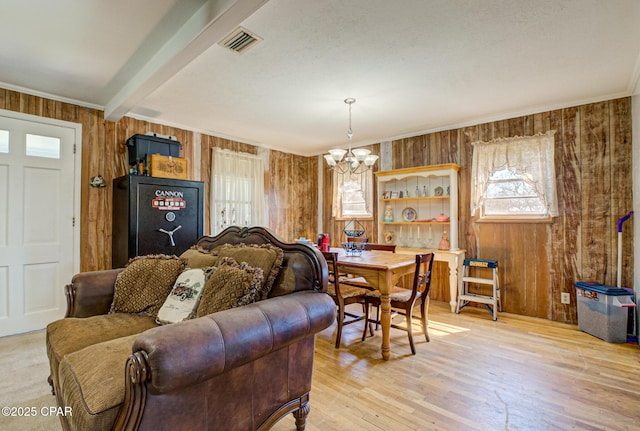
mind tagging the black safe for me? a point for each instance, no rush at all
(155, 216)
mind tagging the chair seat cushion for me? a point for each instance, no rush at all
(347, 291)
(355, 281)
(94, 389)
(399, 294)
(72, 334)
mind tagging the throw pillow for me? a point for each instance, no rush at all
(232, 285)
(182, 302)
(265, 256)
(198, 257)
(144, 284)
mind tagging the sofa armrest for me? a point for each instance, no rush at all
(91, 293)
(228, 339)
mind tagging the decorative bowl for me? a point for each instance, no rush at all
(353, 248)
(442, 218)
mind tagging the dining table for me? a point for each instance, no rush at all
(382, 270)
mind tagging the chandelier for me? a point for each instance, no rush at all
(350, 161)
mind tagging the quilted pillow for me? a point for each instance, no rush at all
(145, 283)
(198, 257)
(183, 300)
(232, 285)
(265, 256)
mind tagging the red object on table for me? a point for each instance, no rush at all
(325, 242)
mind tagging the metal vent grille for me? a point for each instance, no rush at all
(240, 40)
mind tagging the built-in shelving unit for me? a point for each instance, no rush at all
(409, 200)
(412, 200)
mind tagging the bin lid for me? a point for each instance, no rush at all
(601, 288)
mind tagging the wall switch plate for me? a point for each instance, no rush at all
(565, 298)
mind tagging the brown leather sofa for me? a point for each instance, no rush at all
(238, 369)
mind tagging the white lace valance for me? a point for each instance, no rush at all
(531, 157)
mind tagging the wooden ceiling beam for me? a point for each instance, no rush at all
(212, 21)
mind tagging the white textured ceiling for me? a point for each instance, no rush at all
(413, 65)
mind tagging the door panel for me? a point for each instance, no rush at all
(4, 203)
(37, 233)
(38, 296)
(4, 292)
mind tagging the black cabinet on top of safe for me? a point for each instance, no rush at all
(155, 216)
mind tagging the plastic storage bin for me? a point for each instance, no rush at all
(603, 310)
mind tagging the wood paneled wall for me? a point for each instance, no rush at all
(538, 261)
(290, 181)
(293, 195)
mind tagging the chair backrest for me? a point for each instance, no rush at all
(332, 263)
(383, 247)
(422, 277)
(357, 239)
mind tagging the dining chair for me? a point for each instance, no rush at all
(403, 300)
(383, 247)
(357, 239)
(344, 295)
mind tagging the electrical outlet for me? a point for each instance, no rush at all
(565, 298)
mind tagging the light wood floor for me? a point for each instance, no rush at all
(517, 373)
(514, 374)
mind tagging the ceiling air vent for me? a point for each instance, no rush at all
(240, 40)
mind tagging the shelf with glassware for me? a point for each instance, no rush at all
(418, 211)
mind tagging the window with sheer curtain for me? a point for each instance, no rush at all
(353, 196)
(237, 190)
(514, 178)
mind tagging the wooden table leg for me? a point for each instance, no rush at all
(385, 321)
(453, 284)
(455, 280)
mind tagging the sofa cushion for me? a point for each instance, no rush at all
(145, 283)
(286, 282)
(265, 256)
(72, 334)
(232, 285)
(183, 300)
(94, 389)
(198, 257)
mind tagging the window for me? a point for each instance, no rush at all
(43, 146)
(353, 196)
(4, 141)
(514, 178)
(237, 190)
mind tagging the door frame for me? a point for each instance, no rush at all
(77, 172)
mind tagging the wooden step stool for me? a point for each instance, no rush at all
(465, 297)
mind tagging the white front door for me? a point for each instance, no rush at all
(38, 201)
